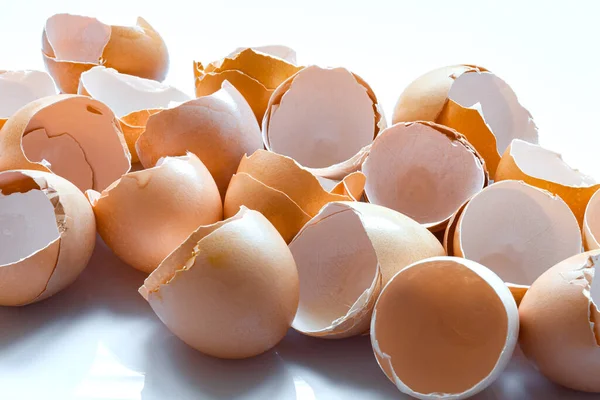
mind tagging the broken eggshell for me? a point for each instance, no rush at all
(344, 256)
(47, 235)
(284, 192)
(131, 98)
(560, 323)
(73, 44)
(241, 279)
(219, 129)
(473, 101)
(444, 328)
(324, 118)
(72, 136)
(146, 214)
(424, 170)
(591, 223)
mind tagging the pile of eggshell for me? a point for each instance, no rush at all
(278, 197)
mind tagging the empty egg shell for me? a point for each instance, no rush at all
(219, 129)
(255, 72)
(424, 170)
(473, 101)
(591, 223)
(131, 98)
(73, 136)
(560, 323)
(47, 235)
(284, 192)
(230, 290)
(344, 256)
(17, 88)
(444, 328)
(324, 118)
(73, 44)
(545, 169)
(146, 214)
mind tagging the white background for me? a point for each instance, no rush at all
(100, 340)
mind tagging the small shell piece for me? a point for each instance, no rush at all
(345, 255)
(131, 98)
(73, 44)
(146, 214)
(73, 136)
(230, 290)
(444, 328)
(255, 72)
(324, 118)
(560, 323)
(284, 192)
(219, 129)
(473, 101)
(423, 170)
(591, 223)
(47, 235)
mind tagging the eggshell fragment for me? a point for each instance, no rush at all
(423, 170)
(591, 223)
(47, 235)
(146, 214)
(473, 101)
(73, 136)
(560, 330)
(255, 72)
(73, 44)
(230, 290)
(219, 129)
(17, 88)
(345, 255)
(131, 98)
(284, 192)
(444, 328)
(324, 118)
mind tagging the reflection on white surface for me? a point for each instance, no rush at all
(303, 389)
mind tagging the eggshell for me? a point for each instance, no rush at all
(324, 118)
(219, 129)
(47, 235)
(345, 255)
(473, 101)
(146, 214)
(17, 88)
(591, 223)
(516, 230)
(423, 170)
(73, 136)
(73, 44)
(255, 72)
(284, 192)
(230, 290)
(444, 328)
(560, 329)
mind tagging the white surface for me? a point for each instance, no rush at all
(100, 340)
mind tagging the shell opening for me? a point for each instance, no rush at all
(19, 88)
(77, 38)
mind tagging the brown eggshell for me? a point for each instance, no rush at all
(146, 214)
(560, 329)
(345, 255)
(17, 88)
(444, 327)
(219, 129)
(48, 235)
(241, 279)
(591, 223)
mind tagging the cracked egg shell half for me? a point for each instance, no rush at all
(230, 290)
(132, 99)
(219, 128)
(473, 101)
(325, 119)
(47, 235)
(145, 215)
(560, 323)
(284, 192)
(344, 256)
(424, 170)
(72, 136)
(444, 328)
(73, 44)
(255, 71)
